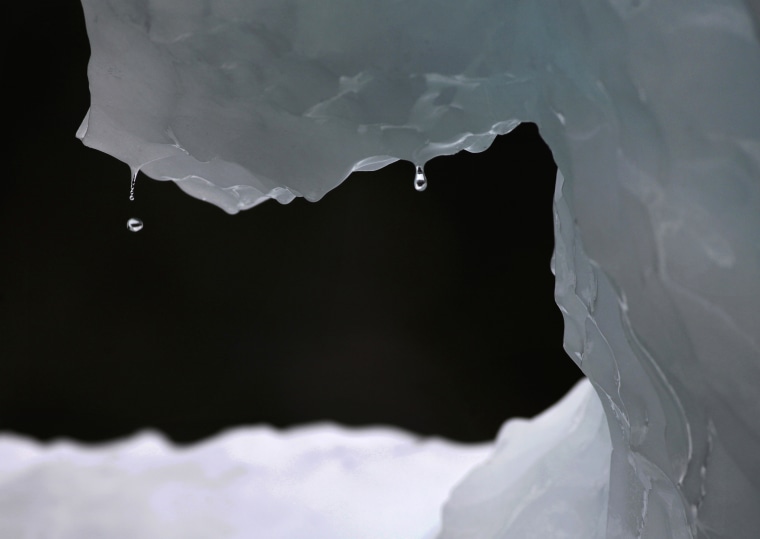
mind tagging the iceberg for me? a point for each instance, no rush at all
(651, 111)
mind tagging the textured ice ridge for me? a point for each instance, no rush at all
(651, 111)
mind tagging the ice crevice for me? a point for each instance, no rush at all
(651, 111)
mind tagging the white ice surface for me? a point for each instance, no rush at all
(315, 482)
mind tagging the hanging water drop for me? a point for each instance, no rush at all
(134, 224)
(420, 181)
(135, 170)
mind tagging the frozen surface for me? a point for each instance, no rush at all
(546, 478)
(316, 482)
(651, 111)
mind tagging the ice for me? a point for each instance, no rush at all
(316, 482)
(651, 111)
(545, 478)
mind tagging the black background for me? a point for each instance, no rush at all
(431, 311)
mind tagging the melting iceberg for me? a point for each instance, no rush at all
(652, 112)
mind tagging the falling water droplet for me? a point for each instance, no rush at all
(420, 181)
(134, 225)
(135, 170)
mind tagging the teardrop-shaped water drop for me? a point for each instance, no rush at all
(420, 181)
(134, 224)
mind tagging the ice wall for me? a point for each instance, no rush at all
(651, 111)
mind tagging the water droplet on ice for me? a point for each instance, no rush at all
(134, 225)
(420, 181)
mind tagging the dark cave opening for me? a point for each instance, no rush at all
(430, 311)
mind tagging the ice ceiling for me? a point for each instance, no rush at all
(652, 111)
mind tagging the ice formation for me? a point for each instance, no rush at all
(652, 112)
(316, 482)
